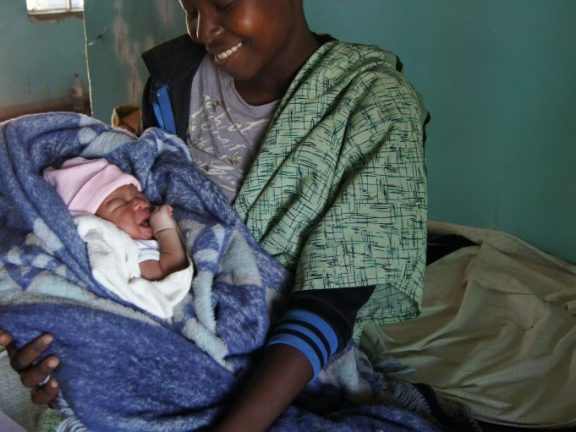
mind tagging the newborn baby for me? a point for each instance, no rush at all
(124, 233)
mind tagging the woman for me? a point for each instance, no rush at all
(318, 144)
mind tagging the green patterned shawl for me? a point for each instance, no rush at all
(338, 190)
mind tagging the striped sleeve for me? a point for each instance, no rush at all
(319, 323)
(308, 333)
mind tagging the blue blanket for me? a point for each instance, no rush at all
(123, 369)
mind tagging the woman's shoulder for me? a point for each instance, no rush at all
(346, 64)
(356, 65)
(369, 77)
(350, 54)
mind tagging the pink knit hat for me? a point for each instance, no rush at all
(84, 184)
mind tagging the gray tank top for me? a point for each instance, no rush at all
(224, 132)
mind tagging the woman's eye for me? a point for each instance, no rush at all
(222, 5)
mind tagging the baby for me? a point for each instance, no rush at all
(97, 188)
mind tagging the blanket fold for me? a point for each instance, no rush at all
(114, 259)
(122, 368)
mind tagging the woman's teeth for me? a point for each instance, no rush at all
(224, 55)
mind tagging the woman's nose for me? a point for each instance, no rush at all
(207, 26)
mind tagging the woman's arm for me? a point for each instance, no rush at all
(317, 324)
(33, 375)
(281, 375)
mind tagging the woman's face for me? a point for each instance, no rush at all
(250, 39)
(129, 210)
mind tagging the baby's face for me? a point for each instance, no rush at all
(129, 210)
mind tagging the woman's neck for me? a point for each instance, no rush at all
(270, 85)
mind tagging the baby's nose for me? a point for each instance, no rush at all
(140, 203)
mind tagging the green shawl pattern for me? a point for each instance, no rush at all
(337, 192)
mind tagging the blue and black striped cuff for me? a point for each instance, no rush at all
(308, 333)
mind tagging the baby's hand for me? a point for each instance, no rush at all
(161, 219)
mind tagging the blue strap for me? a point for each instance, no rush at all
(158, 114)
(163, 110)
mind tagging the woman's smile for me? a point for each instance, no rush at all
(223, 56)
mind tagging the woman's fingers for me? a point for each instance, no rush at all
(34, 376)
(25, 357)
(5, 340)
(45, 395)
(37, 375)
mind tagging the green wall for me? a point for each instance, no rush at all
(499, 80)
(498, 77)
(118, 31)
(38, 59)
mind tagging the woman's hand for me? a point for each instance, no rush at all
(34, 375)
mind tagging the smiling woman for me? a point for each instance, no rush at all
(260, 44)
(299, 128)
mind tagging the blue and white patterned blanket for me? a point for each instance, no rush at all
(125, 370)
